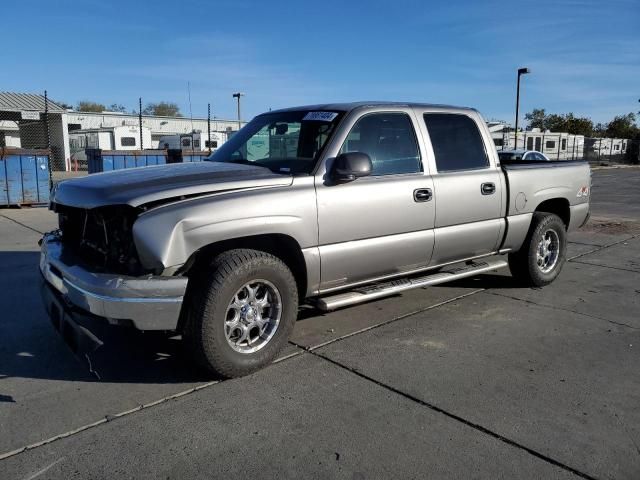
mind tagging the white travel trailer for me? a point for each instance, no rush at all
(192, 141)
(124, 137)
(109, 138)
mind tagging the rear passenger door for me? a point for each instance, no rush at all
(468, 188)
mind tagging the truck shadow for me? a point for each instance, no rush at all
(30, 346)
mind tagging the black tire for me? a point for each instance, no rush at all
(524, 263)
(208, 304)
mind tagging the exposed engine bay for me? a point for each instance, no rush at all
(101, 237)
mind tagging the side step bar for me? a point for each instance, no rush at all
(384, 289)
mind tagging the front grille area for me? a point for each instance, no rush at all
(101, 237)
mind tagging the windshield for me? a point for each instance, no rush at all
(284, 142)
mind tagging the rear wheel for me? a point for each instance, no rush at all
(241, 312)
(543, 253)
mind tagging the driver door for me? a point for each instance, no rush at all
(379, 225)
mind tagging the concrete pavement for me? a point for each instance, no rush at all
(474, 379)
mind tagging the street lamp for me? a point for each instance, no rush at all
(238, 95)
(521, 71)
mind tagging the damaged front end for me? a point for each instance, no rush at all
(102, 237)
(91, 265)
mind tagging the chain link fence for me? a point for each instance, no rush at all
(32, 127)
(564, 146)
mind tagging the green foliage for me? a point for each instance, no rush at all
(163, 109)
(622, 126)
(566, 122)
(87, 106)
(536, 118)
(116, 107)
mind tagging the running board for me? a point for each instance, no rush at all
(384, 289)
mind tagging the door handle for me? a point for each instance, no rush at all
(488, 188)
(422, 195)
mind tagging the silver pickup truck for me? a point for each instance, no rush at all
(328, 204)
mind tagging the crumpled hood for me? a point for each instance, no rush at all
(138, 186)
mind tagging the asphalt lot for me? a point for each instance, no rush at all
(477, 379)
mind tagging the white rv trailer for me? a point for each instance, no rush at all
(192, 141)
(124, 137)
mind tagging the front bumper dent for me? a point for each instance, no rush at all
(149, 303)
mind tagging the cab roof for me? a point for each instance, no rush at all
(349, 106)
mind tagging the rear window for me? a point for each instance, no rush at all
(456, 141)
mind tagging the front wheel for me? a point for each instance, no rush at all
(543, 253)
(241, 312)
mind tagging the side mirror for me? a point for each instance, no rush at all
(349, 166)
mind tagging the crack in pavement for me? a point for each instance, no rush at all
(606, 266)
(457, 418)
(21, 224)
(554, 307)
(387, 322)
(572, 259)
(110, 417)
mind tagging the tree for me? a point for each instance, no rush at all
(162, 109)
(563, 122)
(579, 125)
(65, 105)
(622, 126)
(87, 106)
(536, 118)
(116, 107)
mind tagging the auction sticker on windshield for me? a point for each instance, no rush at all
(320, 116)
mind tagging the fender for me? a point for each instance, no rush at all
(167, 236)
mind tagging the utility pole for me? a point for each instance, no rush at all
(209, 126)
(140, 121)
(237, 95)
(521, 71)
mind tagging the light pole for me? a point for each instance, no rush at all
(238, 95)
(521, 71)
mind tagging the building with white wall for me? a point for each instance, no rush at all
(22, 124)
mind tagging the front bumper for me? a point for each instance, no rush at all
(148, 303)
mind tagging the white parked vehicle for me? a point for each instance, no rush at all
(525, 155)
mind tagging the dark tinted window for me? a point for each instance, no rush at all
(530, 143)
(550, 144)
(128, 141)
(564, 144)
(456, 141)
(389, 140)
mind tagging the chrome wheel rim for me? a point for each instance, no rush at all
(548, 251)
(253, 316)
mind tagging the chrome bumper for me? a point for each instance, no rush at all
(149, 302)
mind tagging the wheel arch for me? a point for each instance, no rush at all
(558, 206)
(282, 246)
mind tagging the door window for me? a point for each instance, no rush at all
(456, 141)
(389, 140)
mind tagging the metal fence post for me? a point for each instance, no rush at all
(559, 143)
(48, 137)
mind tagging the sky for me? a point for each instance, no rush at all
(584, 55)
